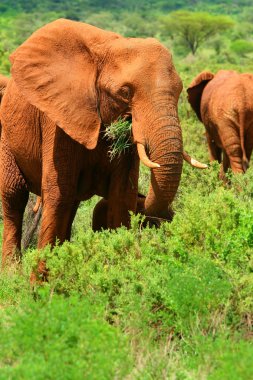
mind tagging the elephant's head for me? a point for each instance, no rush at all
(82, 77)
(196, 89)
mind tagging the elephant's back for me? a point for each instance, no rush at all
(228, 96)
(21, 131)
(247, 86)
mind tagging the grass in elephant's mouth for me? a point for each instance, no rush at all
(119, 135)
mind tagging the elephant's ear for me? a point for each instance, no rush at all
(56, 72)
(196, 88)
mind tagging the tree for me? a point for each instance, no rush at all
(242, 47)
(194, 28)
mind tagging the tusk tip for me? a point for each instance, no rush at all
(144, 158)
(198, 164)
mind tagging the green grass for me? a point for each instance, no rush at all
(60, 338)
(120, 137)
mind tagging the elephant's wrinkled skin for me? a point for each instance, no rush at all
(69, 79)
(224, 103)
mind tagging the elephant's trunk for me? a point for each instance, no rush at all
(163, 143)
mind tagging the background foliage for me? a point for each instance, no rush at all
(172, 303)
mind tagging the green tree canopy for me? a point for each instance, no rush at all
(194, 28)
(242, 47)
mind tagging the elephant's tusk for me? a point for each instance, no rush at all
(144, 158)
(37, 204)
(193, 162)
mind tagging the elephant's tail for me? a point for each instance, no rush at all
(245, 161)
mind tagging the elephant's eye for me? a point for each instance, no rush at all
(125, 93)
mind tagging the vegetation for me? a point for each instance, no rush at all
(193, 29)
(242, 47)
(168, 303)
(119, 135)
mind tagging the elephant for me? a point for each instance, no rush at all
(223, 102)
(99, 220)
(71, 80)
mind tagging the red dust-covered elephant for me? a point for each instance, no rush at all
(70, 80)
(224, 104)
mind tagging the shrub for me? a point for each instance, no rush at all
(61, 339)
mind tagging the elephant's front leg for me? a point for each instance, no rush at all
(57, 217)
(123, 191)
(56, 220)
(59, 185)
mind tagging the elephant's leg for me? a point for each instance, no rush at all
(214, 150)
(71, 219)
(248, 141)
(99, 217)
(224, 167)
(236, 162)
(118, 211)
(60, 175)
(57, 218)
(123, 191)
(14, 196)
(231, 143)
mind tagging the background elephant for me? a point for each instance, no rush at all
(70, 80)
(224, 103)
(99, 217)
(99, 220)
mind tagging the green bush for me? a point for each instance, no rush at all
(137, 277)
(61, 338)
(242, 47)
